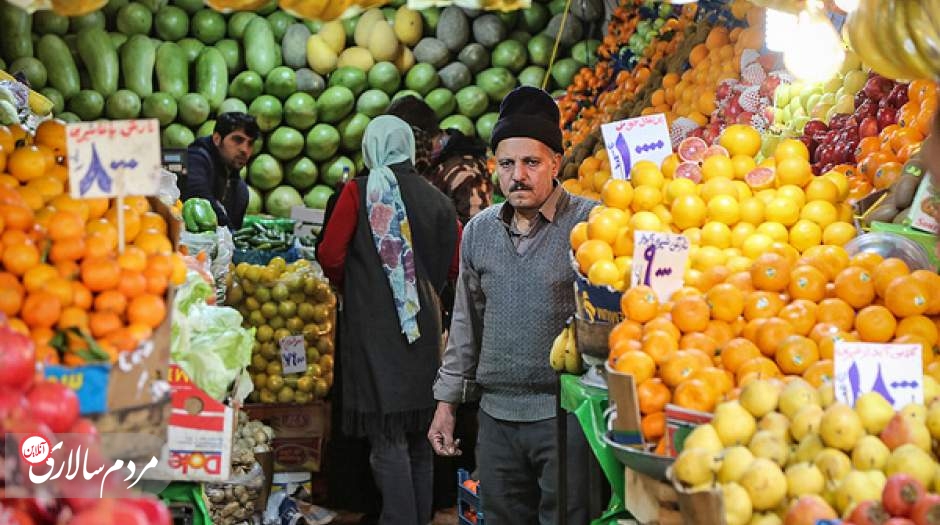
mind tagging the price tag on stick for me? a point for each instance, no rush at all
(293, 354)
(659, 261)
(896, 371)
(632, 140)
(113, 159)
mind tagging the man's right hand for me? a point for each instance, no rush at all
(441, 433)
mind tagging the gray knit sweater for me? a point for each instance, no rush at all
(525, 301)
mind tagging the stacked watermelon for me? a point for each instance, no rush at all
(312, 86)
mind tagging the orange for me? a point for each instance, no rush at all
(836, 312)
(771, 333)
(138, 203)
(19, 258)
(926, 349)
(741, 281)
(770, 272)
(152, 221)
(807, 282)
(887, 271)
(7, 140)
(622, 346)
(736, 352)
(41, 309)
(73, 317)
(682, 364)
(104, 228)
(133, 259)
(61, 288)
(690, 314)
(100, 274)
(65, 202)
(132, 284)
(698, 341)
(875, 324)
(98, 245)
(27, 163)
(103, 323)
(131, 221)
(659, 345)
(639, 304)
(751, 327)
(761, 304)
(855, 286)
(11, 299)
(68, 269)
(918, 325)
(111, 301)
(695, 394)
(800, 318)
(932, 282)
(98, 207)
(637, 364)
(725, 301)
(718, 378)
(578, 235)
(761, 366)
(153, 242)
(624, 330)
(819, 373)
(67, 249)
(156, 284)
(65, 225)
(795, 354)
(591, 251)
(81, 297)
(653, 426)
(36, 277)
(719, 331)
(906, 296)
(51, 133)
(933, 370)
(664, 324)
(653, 395)
(16, 217)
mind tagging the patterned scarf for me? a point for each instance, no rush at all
(389, 140)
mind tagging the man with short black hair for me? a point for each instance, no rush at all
(213, 163)
(514, 294)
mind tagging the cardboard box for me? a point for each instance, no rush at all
(925, 209)
(199, 435)
(650, 501)
(300, 433)
(595, 303)
(702, 507)
(138, 379)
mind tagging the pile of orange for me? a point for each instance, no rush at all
(692, 95)
(781, 318)
(60, 266)
(881, 158)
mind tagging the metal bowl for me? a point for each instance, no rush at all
(891, 245)
(652, 465)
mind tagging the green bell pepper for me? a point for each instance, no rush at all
(198, 216)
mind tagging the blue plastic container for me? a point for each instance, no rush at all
(467, 500)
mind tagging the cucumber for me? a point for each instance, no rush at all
(100, 59)
(137, 60)
(45, 22)
(191, 47)
(261, 53)
(93, 19)
(212, 77)
(232, 54)
(60, 67)
(17, 27)
(172, 70)
(117, 40)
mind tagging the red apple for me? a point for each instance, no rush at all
(887, 116)
(868, 127)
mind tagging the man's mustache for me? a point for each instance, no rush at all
(516, 186)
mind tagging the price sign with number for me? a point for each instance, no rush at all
(293, 354)
(113, 158)
(896, 371)
(659, 261)
(632, 140)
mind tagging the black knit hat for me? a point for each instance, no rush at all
(529, 112)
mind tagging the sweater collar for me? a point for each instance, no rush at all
(555, 203)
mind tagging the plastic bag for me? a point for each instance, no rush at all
(208, 342)
(225, 250)
(168, 192)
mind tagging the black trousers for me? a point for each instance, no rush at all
(518, 467)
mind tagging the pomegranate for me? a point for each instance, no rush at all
(901, 493)
(927, 510)
(54, 404)
(17, 360)
(899, 521)
(869, 513)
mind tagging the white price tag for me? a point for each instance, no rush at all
(293, 354)
(659, 261)
(896, 371)
(632, 140)
(101, 152)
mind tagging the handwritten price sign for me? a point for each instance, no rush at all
(293, 354)
(659, 261)
(102, 152)
(896, 371)
(630, 141)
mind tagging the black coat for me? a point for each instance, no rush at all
(208, 177)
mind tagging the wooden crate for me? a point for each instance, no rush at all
(650, 501)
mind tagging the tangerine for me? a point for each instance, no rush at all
(637, 364)
(807, 282)
(653, 395)
(771, 333)
(819, 373)
(906, 296)
(41, 309)
(736, 352)
(653, 426)
(761, 304)
(695, 394)
(770, 272)
(795, 354)
(659, 345)
(681, 364)
(875, 324)
(855, 286)
(886, 271)
(691, 314)
(639, 304)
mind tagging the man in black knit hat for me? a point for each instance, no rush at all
(513, 296)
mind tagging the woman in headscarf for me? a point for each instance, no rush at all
(391, 246)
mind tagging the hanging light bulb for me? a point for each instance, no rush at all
(779, 29)
(847, 5)
(814, 51)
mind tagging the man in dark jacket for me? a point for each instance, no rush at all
(213, 164)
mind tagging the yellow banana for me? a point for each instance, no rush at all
(572, 356)
(898, 10)
(924, 33)
(556, 358)
(865, 43)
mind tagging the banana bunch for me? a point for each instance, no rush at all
(898, 39)
(564, 356)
